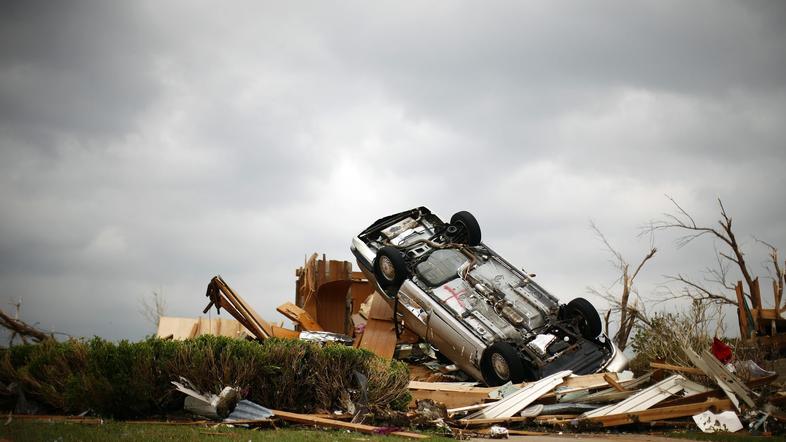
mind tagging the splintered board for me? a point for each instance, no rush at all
(299, 316)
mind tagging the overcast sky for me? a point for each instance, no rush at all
(147, 146)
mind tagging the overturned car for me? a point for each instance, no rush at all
(488, 317)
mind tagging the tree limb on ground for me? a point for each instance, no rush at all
(21, 328)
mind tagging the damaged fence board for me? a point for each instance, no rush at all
(332, 423)
(519, 400)
(299, 316)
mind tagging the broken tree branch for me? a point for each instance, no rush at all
(21, 328)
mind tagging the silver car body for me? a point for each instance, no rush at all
(463, 299)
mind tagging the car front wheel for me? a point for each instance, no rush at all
(390, 268)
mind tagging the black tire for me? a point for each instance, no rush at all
(501, 363)
(390, 269)
(467, 224)
(587, 318)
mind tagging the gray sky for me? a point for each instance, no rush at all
(151, 145)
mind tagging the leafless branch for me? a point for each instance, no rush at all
(622, 304)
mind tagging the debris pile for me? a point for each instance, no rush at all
(332, 300)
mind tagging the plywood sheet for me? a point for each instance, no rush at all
(186, 328)
(379, 337)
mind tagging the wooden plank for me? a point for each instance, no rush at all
(691, 370)
(462, 387)
(656, 414)
(299, 316)
(613, 382)
(332, 423)
(580, 382)
(765, 314)
(449, 398)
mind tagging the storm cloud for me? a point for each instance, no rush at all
(147, 146)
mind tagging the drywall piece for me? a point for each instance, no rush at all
(710, 422)
(519, 400)
(642, 400)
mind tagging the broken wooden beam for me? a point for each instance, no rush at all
(679, 368)
(221, 294)
(657, 414)
(613, 382)
(332, 423)
(299, 316)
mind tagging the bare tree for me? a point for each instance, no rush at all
(715, 287)
(624, 303)
(153, 308)
(776, 273)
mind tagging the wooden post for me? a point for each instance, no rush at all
(743, 318)
(756, 307)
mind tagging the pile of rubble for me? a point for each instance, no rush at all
(335, 304)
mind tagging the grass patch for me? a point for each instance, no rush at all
(132, 379)
(37, 431)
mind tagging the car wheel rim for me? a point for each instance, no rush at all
(500, 366)
(387, 269)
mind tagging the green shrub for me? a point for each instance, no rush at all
(126, 379)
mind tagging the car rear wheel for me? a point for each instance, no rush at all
(501, 363)
(390, 269)
(467, 226)
(586, 317)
